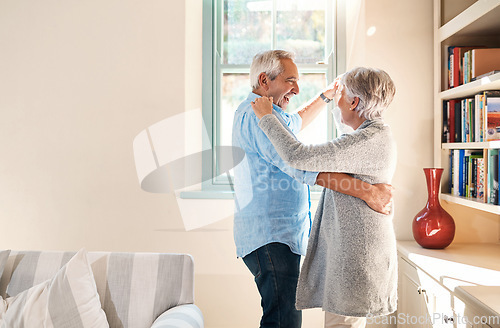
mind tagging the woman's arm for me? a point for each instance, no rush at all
(364, 152)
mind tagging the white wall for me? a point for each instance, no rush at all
(79, 80)
(402, 45)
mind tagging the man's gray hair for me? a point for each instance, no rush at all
(268, 62)
(374, 88)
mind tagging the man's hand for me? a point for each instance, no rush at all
(262, 106)
(332, 88)
(377, 196)
(380, 198)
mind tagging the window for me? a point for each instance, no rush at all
(233, 32)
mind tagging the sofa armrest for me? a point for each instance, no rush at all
(181, 316)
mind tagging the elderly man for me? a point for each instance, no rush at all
(272, 219)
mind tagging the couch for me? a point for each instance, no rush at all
(135, 290)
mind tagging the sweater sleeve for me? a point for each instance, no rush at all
(356, 153)
(257, 141)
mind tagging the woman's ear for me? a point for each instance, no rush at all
(355, 103)
(263, 81)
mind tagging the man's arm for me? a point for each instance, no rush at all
(378, 196)
(311, 110)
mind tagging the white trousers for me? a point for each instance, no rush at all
(338, 321)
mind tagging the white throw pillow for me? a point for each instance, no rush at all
(69, 300)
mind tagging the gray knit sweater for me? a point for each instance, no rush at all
(351, 262)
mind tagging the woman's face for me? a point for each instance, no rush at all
(346, 106)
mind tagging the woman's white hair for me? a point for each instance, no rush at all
(374, 88)
(268, 62)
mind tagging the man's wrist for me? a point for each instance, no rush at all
(367, 192)
(325, 98)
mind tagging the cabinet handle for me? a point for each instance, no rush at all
(423, 292)
(447, 319)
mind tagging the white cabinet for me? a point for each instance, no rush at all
(422, 301)
(454, 288)
(413, 300)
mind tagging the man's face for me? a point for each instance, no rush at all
(284, 86)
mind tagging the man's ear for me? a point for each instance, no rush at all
(355, 103)
(264, 81)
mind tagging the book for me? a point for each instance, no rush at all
(473, 182)
(450, 185)
(486, 174)
(456, 172)
(466, 67)
(458, 54)
(450, 67)
(466, 179)
(477, 119)
(451, 119)
(494, 186)
(461, 172)
(480, 179)
(458, 121)
(446, 114)
(471, 117)
(484, 60)
(480, 109)
(465, 121)
(492, 176)
(492, 110)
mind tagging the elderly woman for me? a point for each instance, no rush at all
(350, 269)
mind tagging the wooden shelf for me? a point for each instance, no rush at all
(481, 18)
(476, 25)
(491, 82)
(472, 203)
(472, 145)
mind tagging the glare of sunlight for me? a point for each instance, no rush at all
(371, 31)
(286, 5)
(485, 80)
(441, 269)
(260, 5)
(433, 232)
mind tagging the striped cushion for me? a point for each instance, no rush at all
(69, 300)
(134, 288)
(182, 316)
(4, 256)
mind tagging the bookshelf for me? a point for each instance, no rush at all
(472, 145)
(480, 19)
(471, 23)
(491, 82)
(469, 202)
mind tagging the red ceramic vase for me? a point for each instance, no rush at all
(433, 227)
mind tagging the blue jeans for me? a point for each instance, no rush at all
(276, 272)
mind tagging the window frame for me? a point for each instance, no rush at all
(213, 185)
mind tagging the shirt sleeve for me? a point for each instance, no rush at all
(295, 123)
(259, 142)
(353, 153)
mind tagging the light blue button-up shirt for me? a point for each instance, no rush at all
(272, 200)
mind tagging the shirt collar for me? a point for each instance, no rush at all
(370, 122)
(252, 96)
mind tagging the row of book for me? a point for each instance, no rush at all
(473, 119)
(474, 174)
(466, 64)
